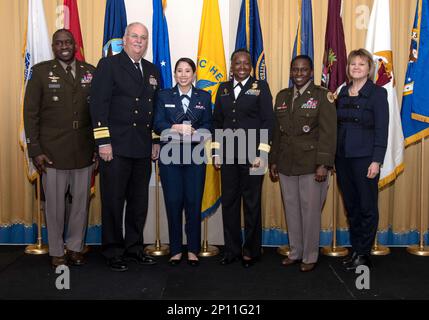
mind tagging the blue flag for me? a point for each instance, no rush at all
(415, 101)
(249, 36)
(304, 33)
(161, 47)
(115, 23)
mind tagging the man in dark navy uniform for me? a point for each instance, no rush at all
(122, 111)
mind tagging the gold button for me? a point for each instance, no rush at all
(148, 126)
(233, 110)
(233, 120)
(150, 112)
(150, 100)
(137, 99)
(136, 111)
(134, 124)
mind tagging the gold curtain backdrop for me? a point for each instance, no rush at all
(399, 202)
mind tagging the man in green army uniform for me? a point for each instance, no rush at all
(61, 144)
(303, 150)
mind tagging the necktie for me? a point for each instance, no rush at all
(139, 70)
(237, 89)
(69, 73)
(185, 102)
(296, 96)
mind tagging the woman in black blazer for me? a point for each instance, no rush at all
(363, 122)
(183, 116)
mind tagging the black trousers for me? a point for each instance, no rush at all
(238, 184)
(360, 196)
(124, 179)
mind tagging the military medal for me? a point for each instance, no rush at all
(153, 81)
(330, 96)
(306, 128)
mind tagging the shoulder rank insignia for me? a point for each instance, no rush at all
(331, 97)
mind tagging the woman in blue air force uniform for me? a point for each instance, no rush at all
(182, 114)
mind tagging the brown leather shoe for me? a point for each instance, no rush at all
(75, 258)
(58, 261)
(306, 267)
(287, 262)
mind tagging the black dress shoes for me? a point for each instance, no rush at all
(174, 262)
(228, 260)
(248, 262)
(359, 260)
(349, 258)
(117, 264)
(194, 263)
(140, 258)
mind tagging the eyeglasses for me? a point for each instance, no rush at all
(136, 36)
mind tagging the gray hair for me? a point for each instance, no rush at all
(132, 24)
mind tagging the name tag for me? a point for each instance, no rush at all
(54, 86)
(170, 105)
(253, 92)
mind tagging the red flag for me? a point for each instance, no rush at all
(335, 56)
(71, 22)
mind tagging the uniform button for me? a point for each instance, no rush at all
(148, 126)
(134, 124)
(150, 100)
(137, 99)
(150, 112)
(234, 102)
(136, 111)
(233, 120)
(75, 113)
(357, 107)
(233, 110)
(356, 119)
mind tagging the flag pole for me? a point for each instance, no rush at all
(334, 250)
(421, 249)
(206, 249)
(39, 247)
(157, 249)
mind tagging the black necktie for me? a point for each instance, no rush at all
(69, 73)
(239, 85)
(139, 70)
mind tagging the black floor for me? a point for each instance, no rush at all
(396, 276)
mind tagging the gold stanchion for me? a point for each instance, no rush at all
(157, 249)
(206, 249)
(420, 249)
(334, 250)
(38, 248)
(378, 249)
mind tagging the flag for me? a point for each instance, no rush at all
(37, 49)
(304, 34)
(211, 70)
(335, 56)
(415, 101)
(160, 44)
(249, 36)
(378, 43)
(115, 23)
(71, 22)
